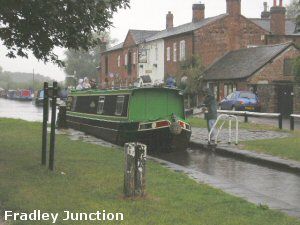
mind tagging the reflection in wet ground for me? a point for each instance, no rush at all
(275, 184)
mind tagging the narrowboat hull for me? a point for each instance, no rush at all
(153, 116)
(122, 132)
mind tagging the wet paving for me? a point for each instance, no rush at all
(263, 182)
(258, 184)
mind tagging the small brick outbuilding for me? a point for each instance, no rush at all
(265, 70)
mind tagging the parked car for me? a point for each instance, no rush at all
(241, 101)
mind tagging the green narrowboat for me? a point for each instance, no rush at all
(153, 116)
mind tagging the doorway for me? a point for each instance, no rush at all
(285, 99)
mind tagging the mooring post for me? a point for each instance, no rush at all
(280, 121)
(129, 169)
(292, 122)
(45, 120)
(53, 120)
(246, 118)
(140, 169)
(135, 169)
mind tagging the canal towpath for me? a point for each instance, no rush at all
(199, 138)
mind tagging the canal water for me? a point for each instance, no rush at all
(25, 110)
(249, 180)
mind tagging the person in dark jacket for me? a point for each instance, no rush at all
(211, 113)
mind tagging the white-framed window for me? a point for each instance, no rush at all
(120, 104)
(175, 52)
(134, 58)
(182, 50)
(126, 59)
(119, 61)
(168, 53)
(101, 104)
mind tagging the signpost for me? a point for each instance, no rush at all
(49, 92)
(45, 120)
(53, 120)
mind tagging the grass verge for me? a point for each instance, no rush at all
(287, 148)
(90, 178)
(201, 123)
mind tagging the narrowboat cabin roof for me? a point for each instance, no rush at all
(138, 104)
(117, 91)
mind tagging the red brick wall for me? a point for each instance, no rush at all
(227, 34)
(277, 23)
(172, 67)
(276, 39)
(123, 78)
(274, 71)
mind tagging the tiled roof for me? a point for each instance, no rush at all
(265, 24)
(140, 36)
(243, 63)
(116, 47)
(184, 28)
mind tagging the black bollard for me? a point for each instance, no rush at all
(52, 134)
(45, 120)
(280, 121)
(292, 123)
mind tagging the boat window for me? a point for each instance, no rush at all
(101, 105)
(120, 104)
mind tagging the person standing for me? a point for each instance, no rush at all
(211, 113)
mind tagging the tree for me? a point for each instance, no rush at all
(82, 63)
(293, 9)
(191, 79)
(41, 25)
(193, 69)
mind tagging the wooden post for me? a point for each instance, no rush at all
(52, 134)
(129, 169)
(45, 120)
(140, 169)
(135, 169)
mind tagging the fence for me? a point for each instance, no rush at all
(247, 114)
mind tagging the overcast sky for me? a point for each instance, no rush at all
(143, 14)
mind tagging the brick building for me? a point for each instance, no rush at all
(281, 30)
(160, 53)
(209, 38)
(119, 64)
(266, 70)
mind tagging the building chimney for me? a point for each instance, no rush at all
(169, 20)
(278, 18)
(198, 12)
(265, 14)
(233, 7)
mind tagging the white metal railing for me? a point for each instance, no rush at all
(229, 118)
(247, 114)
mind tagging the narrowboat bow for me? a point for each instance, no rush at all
(153, 116)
